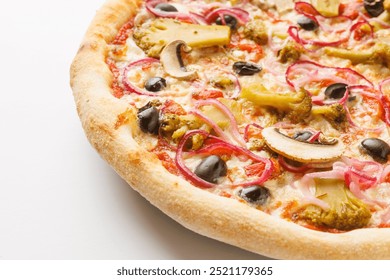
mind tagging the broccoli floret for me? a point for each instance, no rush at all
(256, 31)
(291, 52)
(175, 126)
(153, 36)
(346, 212)
(297, 105)
(301, 110)
(335, 114)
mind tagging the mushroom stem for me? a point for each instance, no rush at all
(172, 60)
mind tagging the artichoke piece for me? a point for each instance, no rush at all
(335, 114)
(256, 31)
(297, 105)
(346, 212)
(328, 8)
(153, 37)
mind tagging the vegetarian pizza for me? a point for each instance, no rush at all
(262, 124)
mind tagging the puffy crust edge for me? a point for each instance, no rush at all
(217, 217)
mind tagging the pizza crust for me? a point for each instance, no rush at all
(221, 218)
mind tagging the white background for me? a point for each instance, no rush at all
(58, 199)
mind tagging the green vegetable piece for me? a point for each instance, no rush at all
(297, 105)
(153, 37)
(346, 212)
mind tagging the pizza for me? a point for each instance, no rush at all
(262, 124)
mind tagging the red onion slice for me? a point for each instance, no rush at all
(130, 86)
(220, 144)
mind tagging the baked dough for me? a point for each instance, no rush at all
(217, 217)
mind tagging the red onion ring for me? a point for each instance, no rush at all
(175, 15)
(240, 14)
(385, 100)
(225, 110)
(190, 176)
(247, 130)
(133, 88)
(316, 67)
(291, 168)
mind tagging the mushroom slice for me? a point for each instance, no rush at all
(173, 62)
(301, 151)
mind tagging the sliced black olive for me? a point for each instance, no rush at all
(302, 136)
(374, 7)
(211, 168)
(378, 149)
(229, 21)
(255, 194)
(336, 91)
(307, 23)
(155, 84)
(246, 68)
(165, 7)
(149, 120)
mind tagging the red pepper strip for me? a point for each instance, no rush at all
(220, 144)
(133, 88)
(246, 132)
(359, 34)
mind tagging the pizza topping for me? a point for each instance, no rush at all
(255, 194)
(165, 7)
(172, 60)
(149, 120)
(344, 211)
(256, 31)
(307, 23)
(276, 96)
(303, 136)
(153, 36)
(244, 68)
(211, 168)
(130, 86)
(376, 148)
(301, 151)
(374, 7)
(336, 91)
(155, 84)
(227, 20)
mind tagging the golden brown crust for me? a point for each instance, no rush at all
(217, 217)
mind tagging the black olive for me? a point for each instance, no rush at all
(302, 136)
(166, 7)
(149, 120)
(211, 168)
(378, 149)
(374, 7)
(255, 194)
(155, 84)
(229, 21)
(336, 91)
(246, 68)
(307, 23)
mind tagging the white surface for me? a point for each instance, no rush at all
(58, 199)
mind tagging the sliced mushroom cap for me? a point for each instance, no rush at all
(301, 151)
(173, 62)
